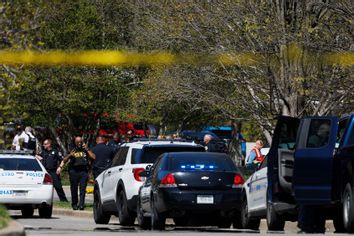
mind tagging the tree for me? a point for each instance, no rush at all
(290, 38)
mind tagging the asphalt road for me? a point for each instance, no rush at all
(67, 225)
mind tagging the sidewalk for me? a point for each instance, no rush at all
(88, 198)
(13, 229)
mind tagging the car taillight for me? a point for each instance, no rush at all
(168, 181)
(136, 172)
(47, 179)
(238, 181)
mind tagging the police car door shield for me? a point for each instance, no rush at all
(312, 180)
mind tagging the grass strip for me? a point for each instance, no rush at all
(4, 217)
(67, 205)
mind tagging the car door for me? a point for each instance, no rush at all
(280, 160)
(258, 189)
(112, 175)
(312, 180)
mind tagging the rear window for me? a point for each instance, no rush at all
(150, 154)
(19, 164)
(203, 163)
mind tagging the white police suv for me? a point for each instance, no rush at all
(116, 189)
(25, 184)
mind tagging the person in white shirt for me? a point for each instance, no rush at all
(16, 144)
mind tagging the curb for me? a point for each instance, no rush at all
(13, 229)
(70, 212)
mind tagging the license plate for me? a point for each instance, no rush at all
(205, 199)
(20, 194)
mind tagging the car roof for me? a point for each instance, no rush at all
(162, 143)
(16, 154)
(196, 154)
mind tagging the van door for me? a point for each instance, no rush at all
(280, 160)
(312, 181)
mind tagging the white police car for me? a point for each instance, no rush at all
(25, 184)
(254, 201)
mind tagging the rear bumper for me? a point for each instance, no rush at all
(37, 196)
(170, 199)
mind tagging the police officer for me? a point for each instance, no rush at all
(51, 159)
(78, 171)
(104, 156)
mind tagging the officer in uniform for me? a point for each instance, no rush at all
(78, 171)
(51, 159)
(104, 156)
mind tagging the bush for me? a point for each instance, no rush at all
(4, 217)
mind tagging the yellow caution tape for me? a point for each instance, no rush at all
(121, 58)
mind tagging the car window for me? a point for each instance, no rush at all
(204, 163)
(19, 164)
(341, 131)
(287, 138)
(120, 157)
(318, 135)
(150, 154)
(157, 166)
(264, 163)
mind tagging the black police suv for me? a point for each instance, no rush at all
(192, 188)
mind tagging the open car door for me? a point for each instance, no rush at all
(312, 180)
(281, 160)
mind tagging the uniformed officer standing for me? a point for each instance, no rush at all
(104, 156)
(51, 160)
(78, 171)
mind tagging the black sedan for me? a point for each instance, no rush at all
(192, 188)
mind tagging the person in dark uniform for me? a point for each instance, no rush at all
(104, 156)
(51, 160)
(115, 142)
(78, 171)
(209, 144)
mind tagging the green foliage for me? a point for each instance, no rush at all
(4, 217)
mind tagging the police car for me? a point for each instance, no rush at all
(254, 201)
(25, 184)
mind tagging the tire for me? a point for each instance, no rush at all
(224, 222)
(158, 220)
(126, 218)
(99, 215)
(348, 209)
(338, 220)
(143, 222)
(274, 222)
(45, 211)
(27, 212)
(246, 221)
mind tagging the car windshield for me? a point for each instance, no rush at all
(150, 154)
(19, 164)
(201, 163)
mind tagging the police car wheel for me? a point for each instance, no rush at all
(126, 218)
(158, 220)
(348, 209)
(27, 212)
(246, 221)
(45, 211)
(99, 215)
(274, 222)
(143, 222)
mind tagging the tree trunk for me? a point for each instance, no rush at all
(62, 147)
